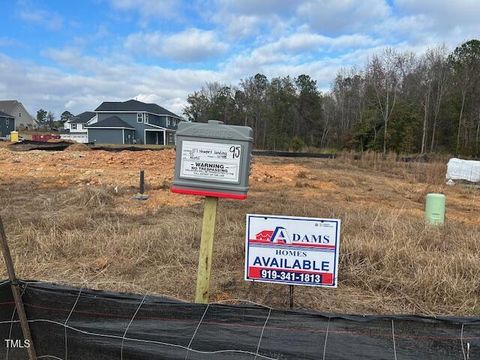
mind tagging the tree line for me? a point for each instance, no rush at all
(46, 119)
(398, 101)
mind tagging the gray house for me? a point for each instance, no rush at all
(15, 108)
(7, 124)
(132, 122)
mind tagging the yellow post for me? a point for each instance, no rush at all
(206, 249)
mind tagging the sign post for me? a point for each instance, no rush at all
(292, 250)
(212, 160)
(206, 250)
(17, 297)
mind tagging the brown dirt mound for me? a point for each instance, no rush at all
(78, 147)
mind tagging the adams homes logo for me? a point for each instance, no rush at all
(280, 235)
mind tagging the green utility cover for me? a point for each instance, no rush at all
(435, 209)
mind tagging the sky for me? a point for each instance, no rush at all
(73, 55)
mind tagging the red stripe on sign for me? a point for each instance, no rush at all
(297, 244)
(208, 193)
(254, 273)
(327, 278)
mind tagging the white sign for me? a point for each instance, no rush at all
(292, 250)
(210, 161)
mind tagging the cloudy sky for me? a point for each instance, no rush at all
(72, 55)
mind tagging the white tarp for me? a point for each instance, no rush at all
(458, 169)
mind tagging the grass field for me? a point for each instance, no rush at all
(70, 218)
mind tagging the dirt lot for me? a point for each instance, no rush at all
(70, 218)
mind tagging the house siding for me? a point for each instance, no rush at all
(168, 122)
(5, 129)
(81, 127)
(21, 115)
(77, 137)
(156, 120)
(131, 119)
(106, 136)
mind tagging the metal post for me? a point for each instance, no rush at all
(206, 250)
(142, 182)
(16, 293)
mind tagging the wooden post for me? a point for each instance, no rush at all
(16, 293)
(206, 250)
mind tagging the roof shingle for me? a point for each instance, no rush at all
(134, 105)
(83, 117)
(4, 114)
(111, 122)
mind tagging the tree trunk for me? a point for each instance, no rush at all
(477, 136)
(324, 132)
(438, 102)
(385, 127)
(457, 149)
(425, 117)
(434, 129)
(265, 134)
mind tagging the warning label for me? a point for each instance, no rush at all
(210, 161)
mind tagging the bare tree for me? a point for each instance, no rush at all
(439, 72)
(465, 61)
(425, 81)
(348, 91)
(384, 75)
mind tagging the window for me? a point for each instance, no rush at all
(74, 126)
(19, 114)
(139, 118)
(7, 122)
(146, 118)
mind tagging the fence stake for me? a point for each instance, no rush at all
(16, 292)
(142, 182)
(206, 249)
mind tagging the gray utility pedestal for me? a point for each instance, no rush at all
(213, 159)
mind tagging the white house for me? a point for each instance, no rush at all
(75, 128)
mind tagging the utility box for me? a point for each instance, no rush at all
(14, 136)
(212, 159)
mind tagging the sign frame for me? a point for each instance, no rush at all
(216, 161)
(328, 248)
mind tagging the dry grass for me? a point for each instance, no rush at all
(390, 262)
(432, 172)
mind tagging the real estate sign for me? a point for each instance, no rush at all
(292, 250)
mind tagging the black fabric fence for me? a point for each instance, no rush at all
(292, 154)
(76, 323)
